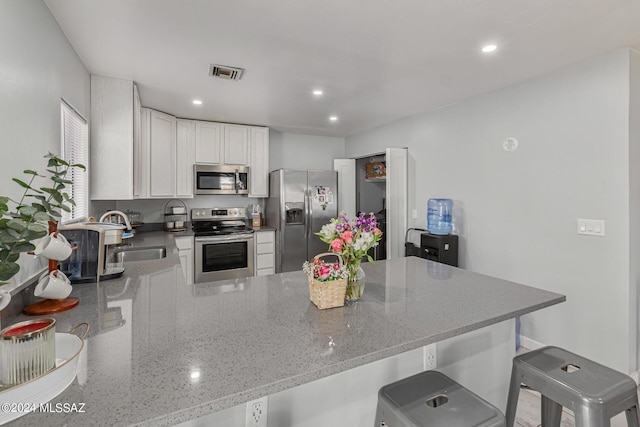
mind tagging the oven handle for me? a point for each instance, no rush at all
(226, 239)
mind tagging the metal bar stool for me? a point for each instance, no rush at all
(592, 391)
(435, 400)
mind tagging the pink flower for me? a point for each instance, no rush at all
(325, 272)
(336, 245)
(347, 237)
(336, 266)
(377, 231)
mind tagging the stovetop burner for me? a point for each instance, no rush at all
(213, 229)
(219, 221)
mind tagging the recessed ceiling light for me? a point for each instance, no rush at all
(197, 102)
(489, 48)
(318, 92)
(333, 118)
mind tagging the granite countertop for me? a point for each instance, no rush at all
(161, 352)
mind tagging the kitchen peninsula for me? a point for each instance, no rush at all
(161, 352)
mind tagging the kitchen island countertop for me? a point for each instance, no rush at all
(161, 352)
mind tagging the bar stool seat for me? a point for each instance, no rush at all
(432, 399)
(594, 392)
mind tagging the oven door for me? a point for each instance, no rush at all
(223, 257)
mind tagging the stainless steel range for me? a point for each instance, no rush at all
(223, 244)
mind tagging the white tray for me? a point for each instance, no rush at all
(44, 388)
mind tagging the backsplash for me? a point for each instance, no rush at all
(152, 210)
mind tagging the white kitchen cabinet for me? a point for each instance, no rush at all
(236, 145)
(208, 142)
(162, 155)
(258, 161)
(185, 252)
(265, 252)
(185, 157)
(113, 102)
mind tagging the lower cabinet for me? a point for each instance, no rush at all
(265, 252)
(185, 252)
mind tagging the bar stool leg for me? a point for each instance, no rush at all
(550, 412)
(587, 418)
(633, 420)
(512, 398)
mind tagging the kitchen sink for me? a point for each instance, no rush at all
(133, 254)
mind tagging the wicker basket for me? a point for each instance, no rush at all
(327, 294)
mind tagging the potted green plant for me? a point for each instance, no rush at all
(25, 220)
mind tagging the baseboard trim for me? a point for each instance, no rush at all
(530, 344)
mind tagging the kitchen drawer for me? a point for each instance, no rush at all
(264, 261)
(264, 248)
(265, 271)
(264, 237)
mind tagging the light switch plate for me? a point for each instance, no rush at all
(591, 227)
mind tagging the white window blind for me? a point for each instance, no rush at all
(75, 149)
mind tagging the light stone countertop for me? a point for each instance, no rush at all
(247, 338)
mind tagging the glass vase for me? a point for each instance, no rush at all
(355, 281)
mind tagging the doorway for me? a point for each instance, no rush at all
(358, 193)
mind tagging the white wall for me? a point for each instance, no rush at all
(298, 151)
(634, 204)
(516, 211)
(37, 69)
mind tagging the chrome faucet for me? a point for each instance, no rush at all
(117, 213)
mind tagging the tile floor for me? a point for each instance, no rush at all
(528, 412)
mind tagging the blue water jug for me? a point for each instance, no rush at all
(439, 216)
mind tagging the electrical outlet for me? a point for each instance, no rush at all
(430, 357)
(256, 415)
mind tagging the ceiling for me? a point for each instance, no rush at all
(376, 60)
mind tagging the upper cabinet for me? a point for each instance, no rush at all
(222, 144)
(165, 156)
(140, 153)
(162, 155)
(208, 142)
(258, 162)
(236, 145)
(113, 129)
(185, 157)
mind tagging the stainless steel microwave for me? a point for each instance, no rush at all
(213, 179)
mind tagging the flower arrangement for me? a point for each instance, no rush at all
(352, 239)
(324, 271)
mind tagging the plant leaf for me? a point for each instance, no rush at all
(41, 216)
(30, 172)
(22, 183)
(65, 208)
(4, 207)
(32, 235)
(61, 181)
(27, 210)
(4, 200)
(8, 270)
(37, 228)
(9, 236)
(22, 247)
(17, 224)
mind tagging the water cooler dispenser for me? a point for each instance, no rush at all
(439, 248)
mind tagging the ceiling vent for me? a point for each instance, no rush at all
(225, 72)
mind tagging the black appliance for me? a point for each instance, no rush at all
(212, 179)
(223, 244)
(439, 248)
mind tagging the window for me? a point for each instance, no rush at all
(75, 149)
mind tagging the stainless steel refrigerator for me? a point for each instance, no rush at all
(300, 203)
